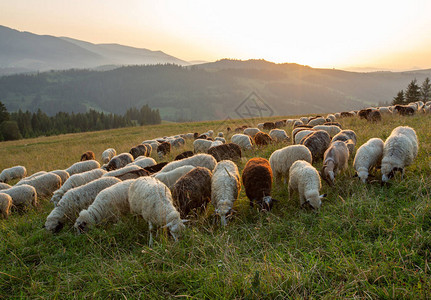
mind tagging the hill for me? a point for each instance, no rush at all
(203, 92)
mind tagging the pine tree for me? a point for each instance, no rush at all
(412, 93)
(426, 90)
(4, 115)
(399, 99)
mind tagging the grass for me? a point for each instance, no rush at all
(366, 241)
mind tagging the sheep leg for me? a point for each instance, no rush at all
(150, 227)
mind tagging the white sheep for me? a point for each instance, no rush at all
(304, 120)
(317, 121)
(75, 181)
(220, 134)
(385, 111)
(5, 205)
(216, 143)
(108, 154)
(335, 160)
(82, 166)
(331, 117)
(251, 131)
(225, 188)
(152, 199)
(170, 178)
(332, 130)
(242, 140)
(260, 126)
(337, 115)
(109, 204)
(4, 186)
(282, 159)
(119, 161)
(367, 157)
(75, 200)
(201, 145)
(301, 134)
(399, 151)
(304, 179)
(45, 184)
(143, 162)
(199, 160)
(22, 196)
(63, 175)
(279, 135)
(122, 171)
(16, 172)
(220, 139)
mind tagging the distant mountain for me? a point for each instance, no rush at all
(28, 52)
(218, 90)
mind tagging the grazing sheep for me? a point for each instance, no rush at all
(151, 199)
(363, 113)
(268, 125)
(220, 139)
(346, 114)
(282, 159)
(335, 160)
(22, 196)
(75, 181)
(192, 191)
(330, 117)
(5, 205)
(140, 150)
(385, 111)
(108, 154)
(185, 154)
(279, 124)
(45, 184)
(228, 151)
(201, 145)
(317, 121)
(127, 172)
(333, 124)
(297, 123)
(399, 151)
(304, 179)
(143, 162)
(4, 186)
(220, 134)
(82, 166)
(300, 134)
(215, 144)
(177, 142)
(404, 110)
(304, 120)
(202, 137)
(163, 149)
(63, 175)
(347, 136)
(279, 135)
(337, 115)
(89, 155)
(170, 177)
(242, 140)
(198, 160)
(374, 116)
(156, 168)
(260, 126)
(75, 200)
(317, 142)
(16, 172)
(257, 181)
(332, 130)
(109, 204)
(251, 131)
(119, 161)
(368, 156)
(262, 139)
(225, 188)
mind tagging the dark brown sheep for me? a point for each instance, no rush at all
(268, 125)
(119, 161)
(185, 154)
(89, 155)
(163, 149)
(202, 137)
(262, 139)
(374, 116)
(133, 174)
(346, 114)
(228, 129)
(238, 129)
(228, 151)
(195, 135)
(317, 142)
(404, 110)
(192, 191)
(279, 124)
(257, 181)
(363, 113)
(140, 150)
(155, 168)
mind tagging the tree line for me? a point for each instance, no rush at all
(18, 125)
(414, 93)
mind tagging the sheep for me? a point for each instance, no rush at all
(242, 140)
(152, 199)
(330, 129)
(225, 188)
(262, 139)
(143, 162)
(279, 124)
(201, 145)
(163, 149)
(268, 125)
(317, 142)
(215, 144)
(404, 110)
(192, 191)
(5, 205)
(331, 117)
(257, 181)
(4, 186)
(119, 161)
(363, 113)
(22, 196)
(82, 166)
(385, 111)
(229, 151)
(75, 181)
(335, 160)
(346, 114)
(188, 136)
(109, 204)
(89, 155)
(169, 178)
(279, 135)
(297, 123)
(198, 160)
(75, 200)
(44, 184)
(177, 142)
(299, 135)
(260, 126)
(282, 159)
(317, 121)
(156, 168)
(140, 150)
(304, 120)
(251, 131)
(399, 151)
(122, 171)
(185, 154)
(334, 124)
(337, 115)
(374, 116)
(108, 154)
(220, 139)
(368, 156)
(63, 175)
(304, 179)
(347, 136)
(220, 134)
(12, 173)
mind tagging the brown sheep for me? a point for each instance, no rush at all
(155, 168)
(268, 125)
(195, 135)
(89, 155)
(228, 151)
(262, 139)
(374, 116)
(140, 150)
(363, 113)
(335, 159)
(317, 142)
(404, 110)
(192, 191)
(257, 181)
(119, 161)
(185, 154)
(163, 149)
(280, 124)
(346, 114)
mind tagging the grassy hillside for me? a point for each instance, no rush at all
(366, 241)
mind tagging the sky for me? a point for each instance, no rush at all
(343, 34)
